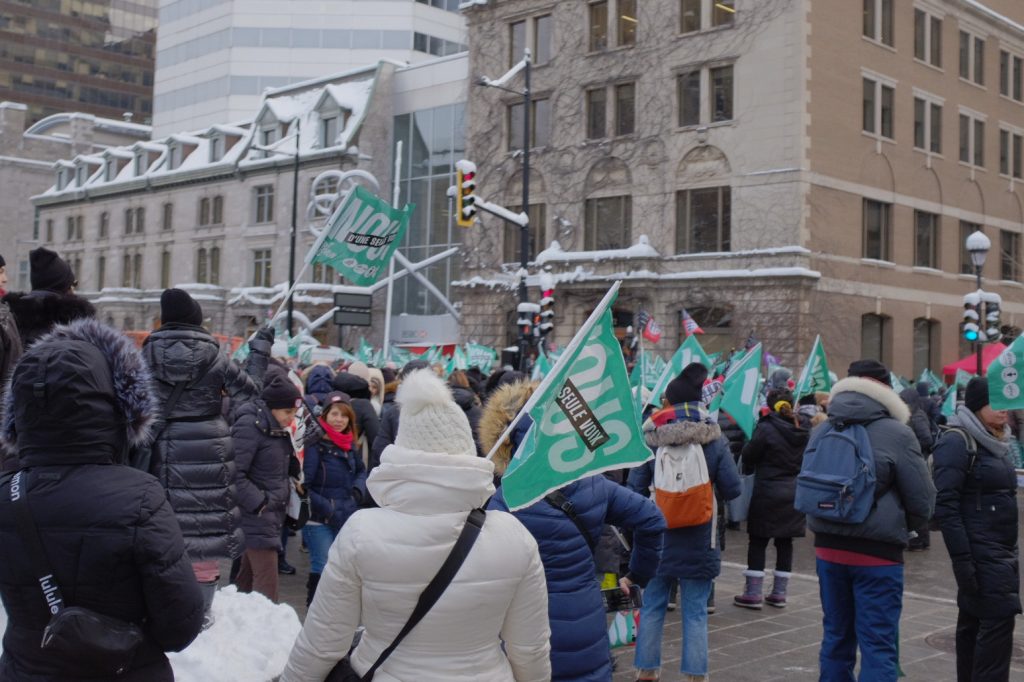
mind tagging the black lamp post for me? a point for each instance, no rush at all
(978, 246)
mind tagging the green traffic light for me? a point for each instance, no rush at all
(971, 335)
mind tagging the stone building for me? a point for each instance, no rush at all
(778, 168)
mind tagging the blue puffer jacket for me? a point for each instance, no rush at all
(579, 637)
(687, 552)
(336, 481)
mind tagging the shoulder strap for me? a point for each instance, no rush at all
(972, 458)
(33, 543)
(560, 502)
(470, 531)
(172, 400)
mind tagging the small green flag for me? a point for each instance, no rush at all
(814, 376)
(740, 394)
(949, 402)
(1006, 378)
(365, 352)
(241, 353)
(898, 384)
(584, 419)
(478, 355)
(690, 351)
(962, 378)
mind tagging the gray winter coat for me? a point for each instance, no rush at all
(263, 451)
(904, 493)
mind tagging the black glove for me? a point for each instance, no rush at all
(263, 340)
(265, 333)
(964, 572)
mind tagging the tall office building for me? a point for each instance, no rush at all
(92, 56)
(215, 58)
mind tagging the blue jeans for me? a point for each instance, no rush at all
(319, 538)
(861, 605)
(693, 608)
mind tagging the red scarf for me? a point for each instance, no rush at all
(342, 440)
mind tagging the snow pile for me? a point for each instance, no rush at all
(249, 641)
(642, 249)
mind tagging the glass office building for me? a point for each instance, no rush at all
(79, 55)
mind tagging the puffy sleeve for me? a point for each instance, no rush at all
(526, 631)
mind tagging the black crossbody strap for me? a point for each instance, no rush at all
(33, 543)
(562, 503)
(436, 587)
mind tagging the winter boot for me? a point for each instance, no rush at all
(647, 675)
(311, 583)
(209, 590)
(778, 596)
(753, 592)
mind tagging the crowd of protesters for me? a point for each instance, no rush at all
(149, 469)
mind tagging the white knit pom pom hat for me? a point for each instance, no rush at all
(430, 421)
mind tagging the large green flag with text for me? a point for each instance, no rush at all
(690, 351)
(814, 376)
(1006, 378)
(741, 390)
(585, 420)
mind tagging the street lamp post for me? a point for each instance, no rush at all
(978, 246)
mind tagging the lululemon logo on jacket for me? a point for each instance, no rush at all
(50, 592)
(16, 487)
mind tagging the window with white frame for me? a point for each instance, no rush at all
(174, 156)
(268, 135)
(972, 138)
(110, 170)
(141, 163)
(927, 37)
(966, 230)
(604, 33)
(705, 95)
(81, 175)
(927, 123)
(263, 203)
(700, 15)
(879, 105)
(1011, 147)
(972, 57)
(878, 21)
(261, 261)
(1011, 75)
(216, 148)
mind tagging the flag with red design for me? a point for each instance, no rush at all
(690, 325)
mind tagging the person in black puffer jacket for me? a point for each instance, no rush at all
(976, 507)
(465, 398)
(79, 398)
(367, 421)
(52, 300)
(774, 455)
(264, 459)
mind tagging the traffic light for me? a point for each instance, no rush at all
(971, 329)
(465, 193)
(992, 311)
(527, 312)
(547, 312)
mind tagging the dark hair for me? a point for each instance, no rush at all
(781, 401)
(348, 412)
(458, 378)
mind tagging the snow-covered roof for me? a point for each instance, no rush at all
(233, 131)
(90, 159)
(119, 152)
(642, 249)
(43, 126)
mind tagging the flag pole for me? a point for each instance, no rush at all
(396, 186)
(563, 360)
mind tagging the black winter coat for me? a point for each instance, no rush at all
(389, 416)
(37, 312)
(977, 511)
(263, 453)
(336, 481)
(919, 420)
(774, 455)
(193, 455)
(466, 399)
(367, 420)
(733, 434)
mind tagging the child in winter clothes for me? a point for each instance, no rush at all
(335, 478)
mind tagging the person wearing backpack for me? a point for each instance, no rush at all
(860, 535)
(976, 507)
(691, 462)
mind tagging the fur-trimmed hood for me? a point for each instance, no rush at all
(856, 399)
(36, 312)
(81, 393)
(501, 408)
(681, 433)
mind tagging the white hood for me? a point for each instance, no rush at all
(426, 483)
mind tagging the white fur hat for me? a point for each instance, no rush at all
(430, 420)
(360, 369)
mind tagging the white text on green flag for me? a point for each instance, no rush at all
(741, 390)
(690, 351)
(1006, 378)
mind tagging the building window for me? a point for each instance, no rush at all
(70, 227)
(268, 135)
(972, 139)
(165, 269)
(214, 265)
(329, 131)
(927, 38)
(966, 229)
(168, 217)
(216, 148)
(174, 156)
(878, 20)
(878, 107)
(49, 231)
(596, 114)
(217, 216)
(627, 22)
(716, 106)
(137, 271)
(926, 240)
(516, 42)
(101, 273)
(1010, 75)
(141, 163)
(1009, 251)
(538, 219)
(598, 26)
(261, 268)
(204, 211)
(723, 13)
(542, 27)
(876, 338)
(325, 274)
(202, 266)
(703, 220)
(1010, 150)
(696, 15)
(540, 124)
(126, 270)
(690, 14)
(264, 195)
(608, 223)
(625, 108)
(104, 230)
(972, 58)
(877, 230)
(140, 220)
(927, 125)
(129, 220)
(926, 345)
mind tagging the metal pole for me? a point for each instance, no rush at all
(294, 230)
(981, 326)
(524, 230)
(395, 188)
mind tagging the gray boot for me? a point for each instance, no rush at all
(779, 585)
(209, 590)
(753, 591)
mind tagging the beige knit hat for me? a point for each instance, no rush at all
(430, 420)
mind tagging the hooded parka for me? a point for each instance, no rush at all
(774, 455)
(263, 453)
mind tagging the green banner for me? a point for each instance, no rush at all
(690, 351)
(647, 370)
(585, 420)
(361, 236)
(949, 402)
(741, 390)
(962, 377)
(1006, 378)
(814, 376)
(898, 384)
(365, 352)
(479, 355)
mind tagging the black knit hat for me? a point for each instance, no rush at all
(870, 369)
(688, 386)
(3, 263)
(281, 394)
(177, 306)
(976, 395)
(49, 272)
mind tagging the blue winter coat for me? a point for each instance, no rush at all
(336, 481)
(687, 552)
(579, 633)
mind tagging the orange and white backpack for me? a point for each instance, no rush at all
(682, 486)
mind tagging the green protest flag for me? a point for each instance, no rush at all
(541, 367)
(293, 345)
(814, 376)
(306, 356)
(478, 355)
(365, 352)
(647, 370)
(933, 381)
(897, 382)
(360, 237)
(962, 378)
(741, 390)
(241, 353)
(690, 351)
(585, 420)
(1006, 378)
(949, 402)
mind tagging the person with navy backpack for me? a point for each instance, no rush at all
(863, 484)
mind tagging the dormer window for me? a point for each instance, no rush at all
(216, 148)
(62, 179)
(141, 163)
(269, 134)
(110, 170)
(174, 156)
(81, 175)
(329, 129)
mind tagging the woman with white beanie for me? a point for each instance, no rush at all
(380, 564)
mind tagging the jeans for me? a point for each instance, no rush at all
(983, 648)
(319, 538)
(758, 547)
(693, 608)
(861, 605)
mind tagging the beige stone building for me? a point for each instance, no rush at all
(780, 168)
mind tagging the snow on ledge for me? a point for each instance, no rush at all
(510, 282)
(554, 252)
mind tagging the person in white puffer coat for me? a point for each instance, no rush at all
(426, 485)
